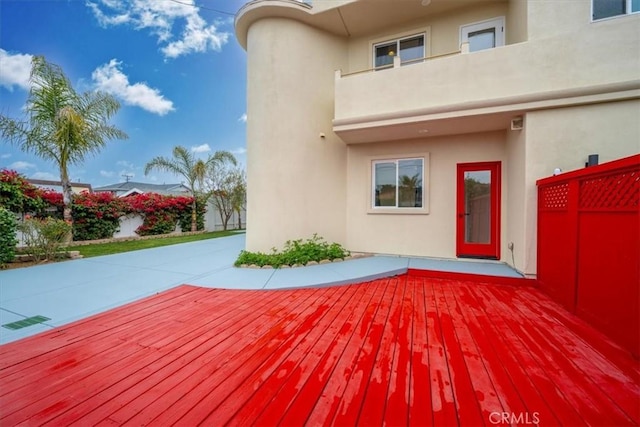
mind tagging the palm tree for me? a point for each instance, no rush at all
(194, 170)
(63, 126)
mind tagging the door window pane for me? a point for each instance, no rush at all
(477, 195)
(412, 48)
(483, 35)
(483, 39)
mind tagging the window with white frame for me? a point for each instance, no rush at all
(609, 8)
(398, 183)
(483, 35)
(410, 49)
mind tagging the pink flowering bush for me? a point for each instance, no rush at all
(161, 213)
(97, 215)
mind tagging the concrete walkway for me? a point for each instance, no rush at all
(72, 290)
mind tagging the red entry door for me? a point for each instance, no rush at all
(478, 210)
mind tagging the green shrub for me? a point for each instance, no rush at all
(184, 217)
(43, 237)
(8, 241)
(96, 216)
(295, 252)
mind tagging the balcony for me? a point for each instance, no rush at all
(482, 91)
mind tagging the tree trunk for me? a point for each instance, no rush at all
(66, 200)
(194, 215)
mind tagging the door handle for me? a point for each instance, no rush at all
(462, 215)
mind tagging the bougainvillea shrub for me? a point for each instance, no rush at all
(8, 239)
(18, 195)
(160, 213)
(97, 215)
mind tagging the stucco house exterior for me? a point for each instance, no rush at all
(76, 187)
(420, 127)
(124, 189)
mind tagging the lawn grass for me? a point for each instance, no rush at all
(99, 249)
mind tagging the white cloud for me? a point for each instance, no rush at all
(204, 148)
(125, 164)
(15, 70)
(5, 156)
(46, 176)
(239, 151)
(243, 118)
(109, 78)
(20, 165)
(107, 174)
(159, 17)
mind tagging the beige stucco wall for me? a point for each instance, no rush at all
(300, 183)
(516, 22)
(563, 17)
(295, 178)
(433, 234)
(564, 138)
(571, 63)
(443, 33)
(514, 212)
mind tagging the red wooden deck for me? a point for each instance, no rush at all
(404, 350)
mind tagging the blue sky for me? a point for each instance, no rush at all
(176, 69)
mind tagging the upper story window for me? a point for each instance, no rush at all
(398, 183)
(483, 35)
(609, 8)
(409, 48)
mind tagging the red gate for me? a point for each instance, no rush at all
(589, 246)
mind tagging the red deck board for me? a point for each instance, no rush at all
(404, 350)
(238, 349)
(459, 355)
(291, 373)
(578, 363)
(443, 402)
(346, 380)
(298, 396)
(168, 372)
(516, 390)
(223, 401)
(513, 330)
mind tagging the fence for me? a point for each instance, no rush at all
(589, 246)
(129, 223)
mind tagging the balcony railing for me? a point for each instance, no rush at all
(397, 62)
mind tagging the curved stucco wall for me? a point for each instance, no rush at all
(290, 87)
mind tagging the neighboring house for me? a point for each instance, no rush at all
(128, 188)
(430, 136)
(76, 187)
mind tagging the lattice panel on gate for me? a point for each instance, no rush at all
(620, 191)
(555, 196)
